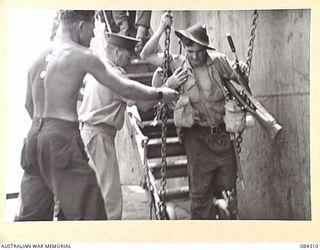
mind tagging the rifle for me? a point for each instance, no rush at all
(241, 76)
(246, 100)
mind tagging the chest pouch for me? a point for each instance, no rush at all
(235, 117)
(183, 115)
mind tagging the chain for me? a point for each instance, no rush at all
(164, 118)
(248, 62)
(239, 141)
(251, 41)
(166, 60)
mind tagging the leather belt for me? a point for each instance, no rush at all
(211, 129)
(104, 128)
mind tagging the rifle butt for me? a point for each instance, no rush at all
(270, 125)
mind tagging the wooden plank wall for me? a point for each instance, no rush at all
(277, 173)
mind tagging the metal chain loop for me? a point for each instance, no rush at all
(239, 141)
(166, 60)
(164, 118)
(251, 41)
(248, 62)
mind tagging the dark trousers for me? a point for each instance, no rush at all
(211, 167)
(134, 19)
(56, 170)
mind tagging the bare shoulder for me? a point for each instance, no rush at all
(76, 53)
(87, 59)
(39, 62)
(78, 58)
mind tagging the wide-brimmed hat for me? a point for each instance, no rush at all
(196, 33)
(122, 41)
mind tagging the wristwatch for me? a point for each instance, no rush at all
(159, 94)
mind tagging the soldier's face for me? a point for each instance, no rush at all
(123, 58)
(196, 54)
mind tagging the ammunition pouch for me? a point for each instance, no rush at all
(183, 114)
(235, 117)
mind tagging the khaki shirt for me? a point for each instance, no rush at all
(101, 105)
(208, 108)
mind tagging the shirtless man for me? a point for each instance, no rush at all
(53, 157)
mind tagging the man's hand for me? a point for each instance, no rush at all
(166, 20)
(243, 67)
(178, 77)
(242, 71)
(168, 94)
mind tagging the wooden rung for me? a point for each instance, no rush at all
(150, 123)
(171, 171)
(173, 148)
(138, 65)
(175, 160)
(170, 140)
(156, 133)
(179, 193)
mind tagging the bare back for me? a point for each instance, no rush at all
(64, 78)
(34, 102)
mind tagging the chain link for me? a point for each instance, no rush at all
(251, 41)
(164, 118)
(248, 62)
(239, 141)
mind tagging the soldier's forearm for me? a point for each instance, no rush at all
(138, 91)
(151, 46)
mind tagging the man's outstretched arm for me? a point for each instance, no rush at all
(127, 88)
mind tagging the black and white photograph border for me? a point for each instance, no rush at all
(275, 184)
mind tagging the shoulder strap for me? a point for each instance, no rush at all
(216, 76)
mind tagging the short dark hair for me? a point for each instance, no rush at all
(70, 16)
